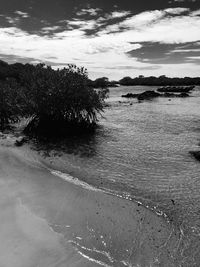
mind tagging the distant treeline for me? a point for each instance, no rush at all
(159, 81)
(141, 80)
(53, 100)
(102, 82)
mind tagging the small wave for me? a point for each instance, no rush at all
(93, 260)
(83, 251)
(71, 179)
(74, 180)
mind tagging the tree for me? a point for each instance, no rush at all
(10, 99)
(60, 99)
(126, 81)
(102, 82)
(53, 99)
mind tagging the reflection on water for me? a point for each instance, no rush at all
(142, 149)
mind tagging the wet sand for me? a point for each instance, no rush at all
(46, 220)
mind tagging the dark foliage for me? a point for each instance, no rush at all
(159, 81)
(195, 154)
(102, 82)
(11, 102)
(55, 100)
(152, 94)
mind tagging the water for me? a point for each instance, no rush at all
(141, 150)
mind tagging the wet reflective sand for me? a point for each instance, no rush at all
(47, 220)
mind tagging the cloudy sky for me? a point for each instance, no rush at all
(113, 38)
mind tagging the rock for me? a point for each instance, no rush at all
(152, 94)
(148, 95)
(195, 154)
(175, 95)
(176, 89)
(168, 95)
(173, 202)
(20, 141)
(142, 96)
(184, 95)
(130, 95)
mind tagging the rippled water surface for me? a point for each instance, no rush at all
(142, 150)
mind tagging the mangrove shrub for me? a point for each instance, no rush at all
(53, 99)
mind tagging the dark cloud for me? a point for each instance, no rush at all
(11, 59)
(59, 22)
(160, 53)
(51, 13)
(14, 58)
(134, 68)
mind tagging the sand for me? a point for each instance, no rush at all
(47, 220)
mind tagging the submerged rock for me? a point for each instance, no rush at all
(184, 95)
(148, 95)
(176, 89)
(175, 95)
(152, 94)
(142, 96)
(195, 154)
(20, 141)
(130, 95)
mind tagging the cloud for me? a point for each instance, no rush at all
(22, 14)
(160, 53)
(117, 14)
(195, 13)
(182, 1)
(102, 43)
(146, 18)
(149, 67)
(89, 11)
(15, 19)
(177, 10)
(118, 21)
(91, 26)
(12, 20)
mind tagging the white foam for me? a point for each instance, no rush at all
(98, 252)
(74, 180)
(93, 260)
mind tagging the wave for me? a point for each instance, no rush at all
(74, 180)
(71, 179)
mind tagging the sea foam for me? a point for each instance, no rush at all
(73, 180)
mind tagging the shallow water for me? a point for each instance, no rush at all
(57, 220)
(141, 150)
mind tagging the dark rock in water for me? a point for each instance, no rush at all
(175, 95)
(176, 89)
(184, 95)
(173, 202)
(142, 96)
(20, 141)
(148, 95)
(152, 94)
(168, 95)
(195, 154)
(130, 95)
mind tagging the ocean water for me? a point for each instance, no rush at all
(141, 151)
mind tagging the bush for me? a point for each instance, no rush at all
(62, 97)
(53, 99)
(10, 103)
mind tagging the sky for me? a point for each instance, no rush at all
(112, 38)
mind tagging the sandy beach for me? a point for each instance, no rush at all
(46, 220)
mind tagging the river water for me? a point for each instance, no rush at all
(141, 151)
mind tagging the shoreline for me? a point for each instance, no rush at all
(98, 229)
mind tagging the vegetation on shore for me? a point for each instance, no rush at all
(54, 100)
(148, 81)
(159, 81)
(168, 91)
